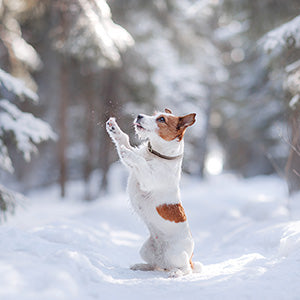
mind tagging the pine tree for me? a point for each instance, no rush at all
(173, 65)
(20, 128)
(284, 41)
(78, 41)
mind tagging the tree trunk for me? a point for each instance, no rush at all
(89, 136)
(293, 164)
(63, 128)
(202, 144)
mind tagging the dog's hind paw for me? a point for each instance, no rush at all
(142, 267)
(176, 273)
(179, 272)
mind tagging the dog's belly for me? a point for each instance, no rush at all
(145, 205)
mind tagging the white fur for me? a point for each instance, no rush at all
(154, 181)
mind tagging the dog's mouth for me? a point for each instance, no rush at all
(139, 126)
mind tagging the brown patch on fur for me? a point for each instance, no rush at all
(168, 129)
(172, 212)
(174, 127)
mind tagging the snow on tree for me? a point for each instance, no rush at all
(26, 129)
(21, 128)
(8, 201)
(22, 57)
(85, 34)
(91, 35)
(173, 65)
(282, 37)
(285, 41)
(12, 85)
(249, 134)
(292, 83)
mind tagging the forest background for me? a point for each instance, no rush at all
(233, 62)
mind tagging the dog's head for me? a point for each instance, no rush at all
(164, 125)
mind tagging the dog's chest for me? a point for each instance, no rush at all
(145, 203)
(142, 201)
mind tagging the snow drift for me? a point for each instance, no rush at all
(68, 249)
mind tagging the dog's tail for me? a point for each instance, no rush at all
(197, 267)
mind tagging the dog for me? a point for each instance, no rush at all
(153, 187)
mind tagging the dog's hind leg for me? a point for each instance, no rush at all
(147, 253)
(180, 264)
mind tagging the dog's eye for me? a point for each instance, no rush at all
(161, 119)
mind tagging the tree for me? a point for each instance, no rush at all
(248, 112)
(18, 127)
(173, 65)
(285, 40)
(77, 40)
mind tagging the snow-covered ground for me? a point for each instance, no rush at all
(244, 235)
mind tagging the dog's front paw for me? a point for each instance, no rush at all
(111, 125)
(113, 128)
(126, 153)
(128, 156)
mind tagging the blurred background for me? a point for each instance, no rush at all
(68, 65)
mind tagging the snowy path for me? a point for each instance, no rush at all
(57, 249)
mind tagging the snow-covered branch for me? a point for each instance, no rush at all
(5, 161)
(292, 83)
(94, 36)
(286, 36)
(24, 52)
(282, 37)
(16, 87)
(27, 129)
(8, 201)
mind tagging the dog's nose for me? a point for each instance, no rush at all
(139, 117)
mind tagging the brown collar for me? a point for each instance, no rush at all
(151, 150)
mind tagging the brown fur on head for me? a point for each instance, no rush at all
(172, 127)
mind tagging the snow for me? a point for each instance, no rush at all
(5, 161)
(27, 129)
(230, 30)
(94, 35)
(8, 201)
(16, 86)
(284, 36)
(293, 102)
(68, 249)
(293, 66)
(24, 52)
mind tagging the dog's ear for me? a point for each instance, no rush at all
(187, 120)
(168, 111)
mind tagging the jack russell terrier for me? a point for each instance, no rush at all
(153, 187)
